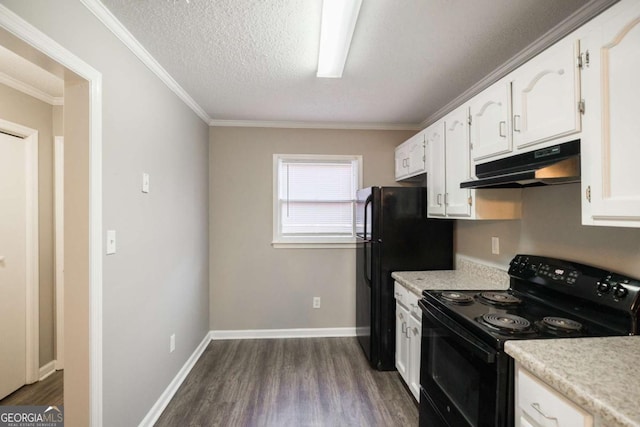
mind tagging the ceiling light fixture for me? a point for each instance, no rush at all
(338, 22)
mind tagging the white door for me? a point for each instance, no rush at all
(13, 264)
(415, 334)
(416, 155)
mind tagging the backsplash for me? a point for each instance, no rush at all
(551, 226)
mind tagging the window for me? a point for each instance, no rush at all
(314, 199)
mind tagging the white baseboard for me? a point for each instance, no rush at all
(47, 370)
(282, 333)
(164, 399)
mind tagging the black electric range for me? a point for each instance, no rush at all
(466, 378)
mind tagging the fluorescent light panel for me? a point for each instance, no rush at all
(338, 22)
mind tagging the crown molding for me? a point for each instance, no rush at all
(314, 125)
(116, 27)
(574, 21)
(30, 90)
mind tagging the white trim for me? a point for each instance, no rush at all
(574, 21)
(166, 396)
(32, 303)
(58, 202)
(47, 370)
(314, 125)
(247, 334)
(36, 38)
(30, 90)
(120, 31)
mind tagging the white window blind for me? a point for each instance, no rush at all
(315, 197)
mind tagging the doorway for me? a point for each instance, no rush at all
(83, 213)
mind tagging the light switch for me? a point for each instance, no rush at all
(111, 242)
(145, 182)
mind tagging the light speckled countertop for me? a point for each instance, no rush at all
(599, 374)
(468, 275)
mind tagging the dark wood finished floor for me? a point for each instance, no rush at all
(46, 392)
(289, 382)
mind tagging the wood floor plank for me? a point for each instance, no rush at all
(289, 382)
(47, 392)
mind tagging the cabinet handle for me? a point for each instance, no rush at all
(501, 127)
(438, 202)
(516, 123)
(406, 333)
(536, 406)
(446, 199)
(404, 327)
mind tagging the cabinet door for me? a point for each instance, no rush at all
(434, 138)
(402, 162)
(415, 334)
(457, 163)
(417, 155)
(610, 140)
(402, 342)
(545, 96)
(490, 125)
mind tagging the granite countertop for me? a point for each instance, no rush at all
(598, 374)
(469, 275)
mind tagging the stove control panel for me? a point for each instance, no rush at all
(590, 283)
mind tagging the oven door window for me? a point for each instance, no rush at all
(460, 376)
(456, 377)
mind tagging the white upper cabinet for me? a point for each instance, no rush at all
(434, 137)
(610, 148)
(448, 165)
(546, 96)
(410, 157)
(490, 122)
(457, 169)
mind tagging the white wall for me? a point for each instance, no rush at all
(551, 226)
(157, 283)
(253, 285)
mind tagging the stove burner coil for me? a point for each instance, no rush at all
(456, 297)
(499, 298)
(561, 324)
(506, 322)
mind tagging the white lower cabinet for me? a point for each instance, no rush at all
(538, 405)
(408, 337)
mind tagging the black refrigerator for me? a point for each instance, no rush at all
(393, 234)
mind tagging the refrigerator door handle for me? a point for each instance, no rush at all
(367, 240)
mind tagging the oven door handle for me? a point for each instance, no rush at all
(442, 320)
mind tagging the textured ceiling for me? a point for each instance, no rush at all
(256, 59)
(16, 68)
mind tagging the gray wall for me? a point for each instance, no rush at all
(551, 226)
(157, 283)
(253, 285)
(30, 112)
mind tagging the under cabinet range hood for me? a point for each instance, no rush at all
(559, 164)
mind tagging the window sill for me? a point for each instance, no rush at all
(351, 244)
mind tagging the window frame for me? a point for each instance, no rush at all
(320, 241)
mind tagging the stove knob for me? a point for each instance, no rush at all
(603, 287)
(620, 291)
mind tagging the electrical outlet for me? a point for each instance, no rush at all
(316, 302)
(495, 245)
(172, 343)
